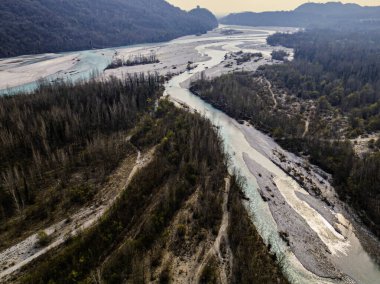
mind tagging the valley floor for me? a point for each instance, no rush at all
(327, 244)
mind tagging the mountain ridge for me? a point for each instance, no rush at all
(41, 26)
(310, 15)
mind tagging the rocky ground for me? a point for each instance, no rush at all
(307, 188)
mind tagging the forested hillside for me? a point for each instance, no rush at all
(60, 144)
(158, 226)
(39, 26)
(332, 14)
(153, 178)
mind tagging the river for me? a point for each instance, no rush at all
(246, 146)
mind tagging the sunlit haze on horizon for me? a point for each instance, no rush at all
(223, 7)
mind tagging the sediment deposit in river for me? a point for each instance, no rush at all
(316, 241)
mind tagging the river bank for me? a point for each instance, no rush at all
(317, 227)
(308, 190)
(323, 241)
(316, 239)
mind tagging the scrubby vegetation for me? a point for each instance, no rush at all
(142, 215)
(333, 83)
(242, 97)
(280, 55)
(210, 273)
(173, 212)
(182, 169)
(341, 70)
(59, 144)
(173, 176)
(341, 67)
(242, 57)
(132, 61)
(40, 26)
(43, 238)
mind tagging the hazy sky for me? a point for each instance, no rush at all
(221, 7)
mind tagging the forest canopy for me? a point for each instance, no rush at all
(60, 144)
(40, 26)
(338, 74)
(341, 66)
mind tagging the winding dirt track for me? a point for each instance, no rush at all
(307, 123)
(271, 92)
(225, 260)
(17, 256)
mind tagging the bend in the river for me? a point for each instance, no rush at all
(249, 149)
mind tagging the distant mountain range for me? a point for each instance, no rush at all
(39, 26)
(333, 14)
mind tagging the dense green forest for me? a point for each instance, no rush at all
(131, 241)
(59, 145)
(40, 26)
(331, 14)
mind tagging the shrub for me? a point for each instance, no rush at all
(181, 230)
(43, 239)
